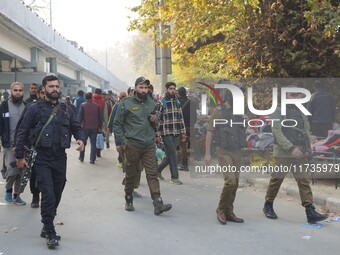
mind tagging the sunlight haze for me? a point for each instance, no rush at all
(92, 24)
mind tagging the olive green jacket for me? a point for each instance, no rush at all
(132, 124)
(283, 147)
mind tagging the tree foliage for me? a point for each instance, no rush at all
(249, 38)
(142, 55)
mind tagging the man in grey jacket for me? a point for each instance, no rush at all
(10, 112)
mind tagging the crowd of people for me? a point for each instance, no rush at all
(141, 124)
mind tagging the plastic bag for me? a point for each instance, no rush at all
(100, 141)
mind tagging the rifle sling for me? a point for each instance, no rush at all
(54, 113)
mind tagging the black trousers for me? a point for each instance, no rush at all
(33, 184)
(51, 178)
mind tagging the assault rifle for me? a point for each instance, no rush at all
(306, 146)
(30, 157)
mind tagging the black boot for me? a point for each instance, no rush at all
(35, 201)
(43, 234)
(313, 216)
(98, 153)
(269, 210)
(129, 203)
(160, 207)
(51, 239)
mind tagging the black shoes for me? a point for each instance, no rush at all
(52, 239)
(269, 210)
(160, 207)
(313, 216)
(129, 203)
(43, 234)
(35, 201)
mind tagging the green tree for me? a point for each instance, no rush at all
(142, 55)
(261, 38)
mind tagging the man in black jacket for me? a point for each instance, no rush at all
(33, 93)
(10, 112)
(50, 163)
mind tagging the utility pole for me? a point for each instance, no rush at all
(164, 76)
(51, 13)
(15, 69)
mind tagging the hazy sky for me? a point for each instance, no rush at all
(94, 24)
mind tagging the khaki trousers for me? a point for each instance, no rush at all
(132, 157)
(302, 179)
(231, 179)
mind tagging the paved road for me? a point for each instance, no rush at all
(95, 222)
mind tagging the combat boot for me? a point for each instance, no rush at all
(129, 203)
(44, 235)
(35, 201)
(160, 207)
(269, 210)
(313, 216)
(51, 239)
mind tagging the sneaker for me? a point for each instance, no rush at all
(176, 181)
(159, 176)
(92, 162)
(120, 165)
(8, 197)
(18, 201)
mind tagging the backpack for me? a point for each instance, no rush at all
(230, 137)
(164, 101)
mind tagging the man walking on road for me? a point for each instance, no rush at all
(10, 112)
(134, 125)
(56, 125)
(230, 139)
(171, 126)
(90, 119)
(290, 149)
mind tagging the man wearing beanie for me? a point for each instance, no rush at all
(171, 126)
(134, 125)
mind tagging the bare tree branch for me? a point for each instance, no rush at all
(204, 42)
